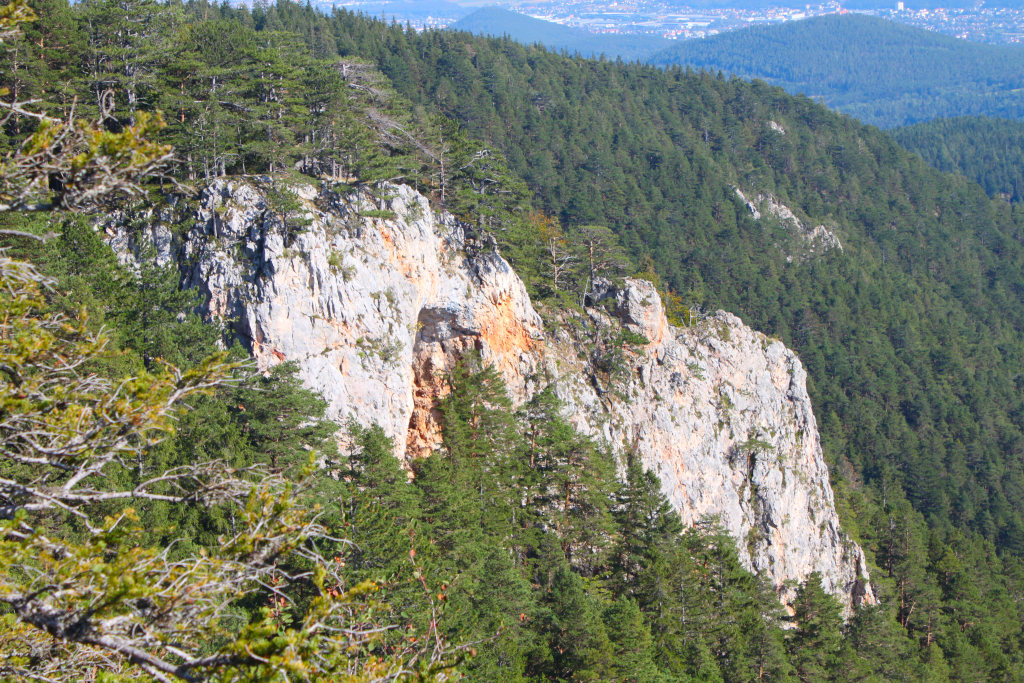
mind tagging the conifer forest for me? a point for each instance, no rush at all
(171, 512)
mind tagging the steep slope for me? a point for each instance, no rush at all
(375, 310)
(911, 335)
(721, 413)
(878, 71)
(353, 299)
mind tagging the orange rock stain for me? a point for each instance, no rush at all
(502, 340)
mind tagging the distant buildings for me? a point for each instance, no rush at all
(669, 20)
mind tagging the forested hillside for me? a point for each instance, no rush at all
(878, 71)
(988, 151)
(911, 336)
(897, 331)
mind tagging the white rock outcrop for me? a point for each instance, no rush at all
(721, 413)
(815, 239)
(377, 297)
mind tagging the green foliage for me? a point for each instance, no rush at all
(649, 529)
(380, 506)
(390, 215)
(910, 335)
(155, 316)
(632, 646)
(284, 206)
(567, 483)
(516, 534)
(466, 486)
(148, 315)
(882, 327)
(988, 151)
(373, 475)
(281, 420)
(814, 644)
(727, 610)
(581, 648)
(632, 338)
(516, 537)
(495, 602)
(878, 71)
(85, 587)
(241, 95)
(55, 160)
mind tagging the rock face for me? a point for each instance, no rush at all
(721, 413)
(811, 239)
(378, 297)
(371, 309)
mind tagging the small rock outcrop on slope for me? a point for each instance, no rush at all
(379, 296)
(809, 239)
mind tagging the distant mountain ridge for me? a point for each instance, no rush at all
(497, 22)
(881, 72)
(848, 4)
(414, 8)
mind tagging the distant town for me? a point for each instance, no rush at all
(984, 25)
(670, 20)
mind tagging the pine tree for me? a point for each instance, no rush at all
(648, 531)
(60, 44)
(492, 601)
(377, 500)
(902, 544)
(20, 69)
(378, 508)
(632, 645)
(282, 421)
(577, 637)
(726, 610)
(701, 663)
(157, 319)
(602, 253)
(815, 642)
(126, 45)
(325, 106)
(374, 474)
(568, 482)
(468, 486)
(277, 106)
(876, 647)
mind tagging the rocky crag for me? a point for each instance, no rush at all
(378, 296)
(807, 241)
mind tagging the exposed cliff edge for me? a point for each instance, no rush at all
(375, 306)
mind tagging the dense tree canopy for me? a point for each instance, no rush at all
(911, 333)
(516, 538)
(876, 70)
(988, 151)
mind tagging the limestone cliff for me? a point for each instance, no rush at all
(378, 296)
